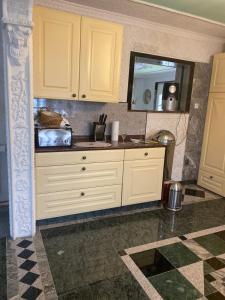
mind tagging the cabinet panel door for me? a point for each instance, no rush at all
(56, 47)
(72, 177)
(142, 181)
(213, 148)
(101, 44)
(212, 182)
(218, 74)
(76, 201)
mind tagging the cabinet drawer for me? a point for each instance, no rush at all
(144, 153)
(77, 157)
(77, 201)
(71, 177)
(212, 182)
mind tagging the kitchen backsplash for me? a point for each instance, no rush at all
(81, 115)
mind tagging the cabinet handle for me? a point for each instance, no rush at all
(211, 177)
(83, 96)
(83, 169)
(82, 194)
(146, 153)
(84, 157)
(74, 95)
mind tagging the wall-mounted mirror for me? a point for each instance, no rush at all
(159, 84)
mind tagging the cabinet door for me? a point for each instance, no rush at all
(212, 182)
(213, 148)
(218, 74)
(142, 181)
(56, 47)
(101, 44)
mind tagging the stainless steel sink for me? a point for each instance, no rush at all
(92, 144)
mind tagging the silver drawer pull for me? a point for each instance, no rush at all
(146, 153)
(84, 157)
(82, 194)
(83, 169)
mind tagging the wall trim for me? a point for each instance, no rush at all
(124, 19)
(179, 12)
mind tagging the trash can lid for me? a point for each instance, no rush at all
(165, 137)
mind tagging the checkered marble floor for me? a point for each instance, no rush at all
(186, 267)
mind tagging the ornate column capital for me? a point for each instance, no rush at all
(17, 12)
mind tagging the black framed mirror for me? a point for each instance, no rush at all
(159, 84)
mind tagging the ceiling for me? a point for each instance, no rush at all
(213, 10)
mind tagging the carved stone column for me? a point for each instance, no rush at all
(17, 28)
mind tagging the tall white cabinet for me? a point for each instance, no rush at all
(212, 165)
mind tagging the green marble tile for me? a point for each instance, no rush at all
(212, 243)
(207, 268)
(208, 288)
(173, 285)
(178, 255)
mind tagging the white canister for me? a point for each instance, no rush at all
(115, 131)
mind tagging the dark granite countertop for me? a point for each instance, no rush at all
(114, 145)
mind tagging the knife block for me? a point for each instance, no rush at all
(99, 131)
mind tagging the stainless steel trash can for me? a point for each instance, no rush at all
(175, 197)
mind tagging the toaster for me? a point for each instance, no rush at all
(53, 137)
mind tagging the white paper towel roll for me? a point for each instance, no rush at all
(115, 131)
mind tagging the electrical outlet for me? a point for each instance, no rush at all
(196, 105)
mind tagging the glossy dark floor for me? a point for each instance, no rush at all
(3, 288)
(84, 258)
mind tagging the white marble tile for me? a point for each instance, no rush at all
(195, 274)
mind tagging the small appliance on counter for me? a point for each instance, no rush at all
(53, 137)
(52, 130)
(99, 128)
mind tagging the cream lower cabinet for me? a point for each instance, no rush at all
(74, 182)
(82, 181)
(143, 174)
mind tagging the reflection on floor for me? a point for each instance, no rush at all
(4, 221)
(186, 267)
(83, 259)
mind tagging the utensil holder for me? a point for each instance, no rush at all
(99, 131)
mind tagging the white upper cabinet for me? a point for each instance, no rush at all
(56, 48)
(101, 44)
(75, 57)
(218, 74)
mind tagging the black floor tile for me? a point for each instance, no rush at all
(26, 253)
(195, 193)
(182, 237)
(209, 278)
(151, 262)
(216, 296)
(29, 278)
(215, 263)
(32, 293)
(3, 272)
(24, 244)
(28, 265)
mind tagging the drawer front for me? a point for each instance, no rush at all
(77, 201)
(77, 157)
(212, 182)
(72, 177)
(144, 153)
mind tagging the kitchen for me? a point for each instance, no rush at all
(82, 69)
